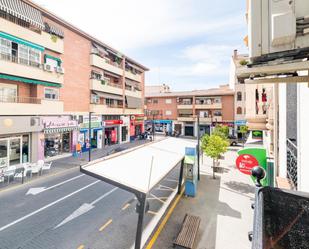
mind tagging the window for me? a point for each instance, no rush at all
(187, 101)
(8, 93)
(239, 96)
(217, 100)
(239, 110)
(168, 101)
(204, 114)
(95, 99)
(5, 49)
(51, 62)
(23, 54)
(149, 101)
(51, 93)
(96, 75)
(155, 101)
(34, 57)
(217, 113)
(168, 113)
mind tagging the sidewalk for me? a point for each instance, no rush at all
(224, 205)
(70, 162)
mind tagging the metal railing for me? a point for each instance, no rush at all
(292, 162)
(19, 99)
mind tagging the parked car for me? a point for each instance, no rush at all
(233, 140)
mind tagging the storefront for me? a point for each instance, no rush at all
(238, 124)
(189, 129)
(96, 133)
(18, 140)
(60, 136)
(136, 125)
(125, 127)
(112, 131)
(162, 126)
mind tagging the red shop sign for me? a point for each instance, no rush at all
(245, 163)
(112, 122)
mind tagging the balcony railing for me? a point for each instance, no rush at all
(113, 84)
(292, 163)
(19, 99)
(15, 59)
(114, 106)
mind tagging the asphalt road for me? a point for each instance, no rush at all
(72, 210)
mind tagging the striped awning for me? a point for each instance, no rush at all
(60, 130)
(49, 28)
(23, 11)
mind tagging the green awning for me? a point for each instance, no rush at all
(59, 61)
(29, 81)
(20, 41)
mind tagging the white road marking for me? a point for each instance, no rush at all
(170, 180)
(84, 209)
(162, 187)
(47, 206)
(35, 191)
(157, 198)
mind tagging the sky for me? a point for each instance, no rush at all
(186, 44)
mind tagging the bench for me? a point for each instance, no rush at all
(188, 232)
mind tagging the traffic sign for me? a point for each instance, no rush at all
(245, 163)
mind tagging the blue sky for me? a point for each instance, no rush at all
(187, 44)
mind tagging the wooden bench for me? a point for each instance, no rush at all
(188, 232)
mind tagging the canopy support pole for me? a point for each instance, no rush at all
(180, 176)
(141, 197)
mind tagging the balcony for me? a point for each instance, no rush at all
(107, 87)
(132, 76)
(133, 111)
(209, 106)
(133, 92)
(186, 118)
(185, 106)
(44, 39)
(10, 105)
(216, 119)
(100, 62)
(9, 65)
(106, 109)
(205, 120)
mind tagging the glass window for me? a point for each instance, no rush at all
(239, 96)
(51, 62)
(51, 93)
(5, 49)
(8, 93)
(155, 101)
(168, 113)
(239, 110)
(23, 54)
(14, 151)
(217, 100)
(34, 57)
(168, 101)
(25, 149)
(217, 113)
(3, 153)
(96, 75)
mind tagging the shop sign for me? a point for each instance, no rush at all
(137, 118)
(240, 122)
(59, 123)
(112, 122)
(245, 163)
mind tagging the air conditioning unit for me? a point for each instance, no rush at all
(278, 27)
(60, 70)
(48, 68)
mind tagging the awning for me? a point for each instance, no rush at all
(117, 54)
(23, 11)
(59, 61)
(112, 74)
(59, 130)
(21, 41)
(53, 30)
(29, 81)
(131, 83)
(99, 49)
(185, 111)
(134, 102)
(108, 95)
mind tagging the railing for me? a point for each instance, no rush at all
(185, 103)
(15, 59)
(19, 99)
(292, 163)
(114, 106)
(185, 115)
(114, 85)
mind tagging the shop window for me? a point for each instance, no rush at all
(239, 110)
(51, 93)
(239, 96)
(168, 113)
(168, 101)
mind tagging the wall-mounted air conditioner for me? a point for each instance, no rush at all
(278, 26)
(60, 70)
(48, 67)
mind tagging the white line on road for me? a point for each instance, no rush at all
(47, 206)
(84, 209)
(35, 191)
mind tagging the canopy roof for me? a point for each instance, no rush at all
(131, 170)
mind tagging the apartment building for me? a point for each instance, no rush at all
(237, 83)
(178, 111)
(278, 71)
(52, 75)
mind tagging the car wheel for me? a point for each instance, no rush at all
(233, 143)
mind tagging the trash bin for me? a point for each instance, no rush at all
(281, 219)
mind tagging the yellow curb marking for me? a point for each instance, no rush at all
(125, 206)
(105, 225)
(161, 226)
(81, 247)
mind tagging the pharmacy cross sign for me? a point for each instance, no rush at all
(245, 163)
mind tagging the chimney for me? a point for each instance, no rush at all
(235, 54)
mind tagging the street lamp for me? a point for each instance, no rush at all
(89, 132)
(198, 146)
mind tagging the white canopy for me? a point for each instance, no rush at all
(132, 169)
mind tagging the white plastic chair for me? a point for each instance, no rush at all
(22, 174)
(46, 166)
(9, 172)
(36, 167)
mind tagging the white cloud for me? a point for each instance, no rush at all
(137, 23)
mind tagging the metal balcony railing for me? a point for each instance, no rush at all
(19, 99)
(292, 163)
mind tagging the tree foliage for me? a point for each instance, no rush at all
(221, 131)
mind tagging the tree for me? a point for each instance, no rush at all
(243, 130)
(222, 131)
(214, 146)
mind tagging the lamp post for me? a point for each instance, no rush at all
(198, 146)
(89, 132)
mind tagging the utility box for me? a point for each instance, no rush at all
(190, 171)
